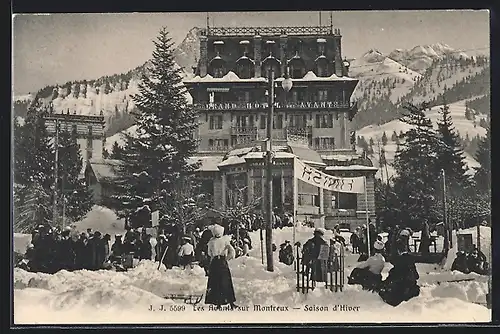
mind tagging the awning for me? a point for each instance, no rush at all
(307, 155)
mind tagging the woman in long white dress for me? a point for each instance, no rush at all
(220, 290)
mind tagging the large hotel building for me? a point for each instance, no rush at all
(311, 121)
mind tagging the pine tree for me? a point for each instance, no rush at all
(116, 151)
(415, 163)
(450, 154)
(34, 153)
(483, 156)
(384, 139)
(71, 187)
(156, 156)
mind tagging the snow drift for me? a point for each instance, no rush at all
(112, 297)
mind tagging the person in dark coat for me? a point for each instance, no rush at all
(146, 251)
(171, 254)
(402, 242)
(425, 238)
(100, 251)
(107, 252)
(476, 262)
(286, 253)
(354, 240)
(201, 252)
(116, 249)
(460, 263)
(161, 246)
(67, 251)
(310, 256)
(401, 284)
(372, 230)
(220, 289)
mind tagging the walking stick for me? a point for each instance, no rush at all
(162, 257)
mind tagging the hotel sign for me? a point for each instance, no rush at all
(319, 179)
(277, 105)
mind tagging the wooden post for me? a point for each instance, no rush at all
(367, 217)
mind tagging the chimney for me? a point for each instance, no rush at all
(257, 42)
(203, 55)
(283, 43)
(338, 53)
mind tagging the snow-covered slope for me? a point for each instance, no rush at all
(119, 137)
(462, 125)
(381, 77)
(420, 57)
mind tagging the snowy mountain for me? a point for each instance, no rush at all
(421, 57)
(466, 129)
(111, 94)
(380, 78)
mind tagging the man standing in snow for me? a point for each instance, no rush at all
(425, 238)
(310, 256)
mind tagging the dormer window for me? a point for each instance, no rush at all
(218, 47)
(297, 66)
(270, 47)
(271, 63)
(244, 65)
(321, 46)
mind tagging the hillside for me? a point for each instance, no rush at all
(111, 94)
(467, 129)
(421, 57)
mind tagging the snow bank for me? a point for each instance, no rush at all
(21, 242)
(113, 297)
(101, 219)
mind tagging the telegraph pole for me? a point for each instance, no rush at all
(447, 234)
(64, 203)
(269, 175)
(56, 163)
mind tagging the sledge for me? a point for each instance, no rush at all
(188, 299)
(457, 280)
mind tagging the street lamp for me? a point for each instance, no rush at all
(287, 85)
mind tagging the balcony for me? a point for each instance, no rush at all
(309, 105)
(323, 147)
(244, 130)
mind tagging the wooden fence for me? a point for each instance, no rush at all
(332, 269)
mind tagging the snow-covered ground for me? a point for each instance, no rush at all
(113, 297)
(462, 125)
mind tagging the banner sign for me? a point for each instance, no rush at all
(319, 179)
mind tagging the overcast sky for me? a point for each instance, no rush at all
(56, 48)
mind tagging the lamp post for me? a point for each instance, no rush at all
(287, 85)
(447, 234)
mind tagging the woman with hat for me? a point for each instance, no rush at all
(186, 252)
(220, 290)
(368, 273)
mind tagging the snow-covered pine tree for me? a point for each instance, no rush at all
(32, 207)
(72, 188)
(34, 153)
(483, 156)
(450, 153)
(157, 155)
(417, 177)
(116, 151)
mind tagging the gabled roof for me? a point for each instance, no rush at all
(207, 163)
(307, 155)
(104, 169)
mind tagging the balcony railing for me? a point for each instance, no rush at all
(324, 105)
(218, 148)
(269, 31)
(323, 147)
(244, 130)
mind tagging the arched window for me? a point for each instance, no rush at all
(297, 67)
(245, 67)
(217, 67)
(271, 63)
(321, 66)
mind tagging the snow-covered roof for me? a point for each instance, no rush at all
(351, 167)
(244, 58)
(340, 157)
(232, 160)
(310, 76)
(307, 155)
(104, 169)
(207, 163)
(321, 40)
(229, 77)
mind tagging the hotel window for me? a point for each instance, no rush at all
(251, 121)
(322, 95)
(278, 122)
(241, 121)
(215, 122)
(263, 120)
(298, 121)
(73, 128)
(218, 72)
(345, 201)
(324, 121)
